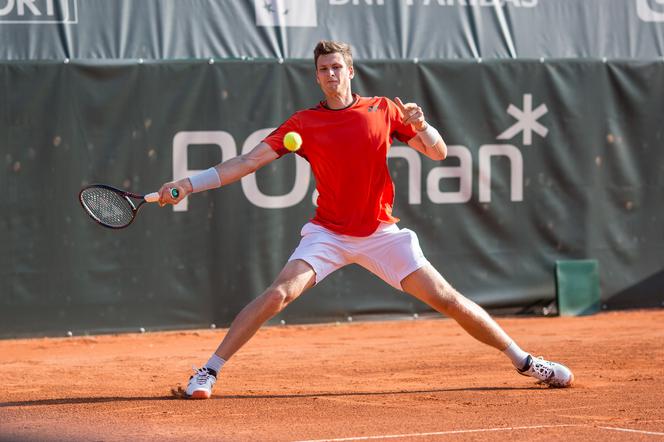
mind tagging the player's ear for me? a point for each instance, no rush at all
(351, 72)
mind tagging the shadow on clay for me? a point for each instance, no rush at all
(176, 394)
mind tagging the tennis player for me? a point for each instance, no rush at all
(353, 221)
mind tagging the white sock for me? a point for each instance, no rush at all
(215, 363)
(516, 355)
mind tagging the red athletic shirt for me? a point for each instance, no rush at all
(347, 151)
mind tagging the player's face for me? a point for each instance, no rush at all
(333, 74)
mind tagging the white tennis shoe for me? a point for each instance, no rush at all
(547, 372)
(201, 383)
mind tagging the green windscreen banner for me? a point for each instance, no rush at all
(287, 29)
(548, 160)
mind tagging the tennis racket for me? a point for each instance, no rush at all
(114, 208)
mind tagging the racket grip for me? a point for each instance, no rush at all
(152, 197)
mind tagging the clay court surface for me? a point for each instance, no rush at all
(397, 380)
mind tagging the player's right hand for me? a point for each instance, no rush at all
(183, 188)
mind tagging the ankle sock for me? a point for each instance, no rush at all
(516, 355)
(214, 364)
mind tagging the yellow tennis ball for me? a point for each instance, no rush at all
(292, 141)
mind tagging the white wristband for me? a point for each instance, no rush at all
(430, 136)
(206, 180)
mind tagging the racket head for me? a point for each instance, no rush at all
(108, 206)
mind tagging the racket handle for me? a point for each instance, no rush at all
(152, 197)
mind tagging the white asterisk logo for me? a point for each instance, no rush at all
(526, 121)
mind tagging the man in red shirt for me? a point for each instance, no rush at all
(346, 140)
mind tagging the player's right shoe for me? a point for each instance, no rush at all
(201, 383)
(547, 372)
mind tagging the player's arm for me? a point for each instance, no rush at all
(220, 175)
(428, 140)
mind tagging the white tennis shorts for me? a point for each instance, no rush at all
(390, 253)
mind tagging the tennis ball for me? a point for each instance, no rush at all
(292, 141)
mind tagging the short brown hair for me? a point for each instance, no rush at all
(325, 47)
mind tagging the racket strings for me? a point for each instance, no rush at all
(107, 206)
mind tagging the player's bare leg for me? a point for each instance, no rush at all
(296, 277)
(427, 285)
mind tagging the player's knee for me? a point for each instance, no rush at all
(450, 301)
(277, 298)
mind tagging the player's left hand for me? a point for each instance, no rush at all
(412, 114)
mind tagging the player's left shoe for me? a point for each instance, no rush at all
(547, 372)
(201, 383)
